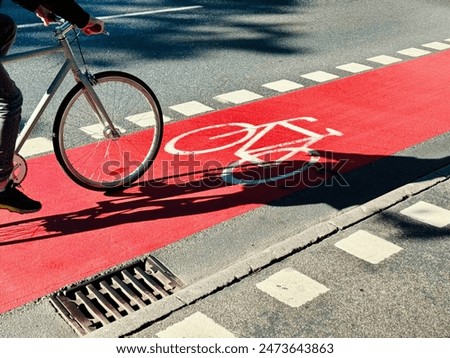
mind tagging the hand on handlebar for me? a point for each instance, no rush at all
(94, 27)
(45, 15)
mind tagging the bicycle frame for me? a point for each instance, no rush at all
(70, 64)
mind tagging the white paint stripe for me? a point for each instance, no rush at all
(414, 52)
(437, 45)
(283, 85)
(196, 326)
(428, 213)
(320, 76)
(143, 120)
(238, 97)
(131, 14)
(292, 287)
(151, 12)
(368, 247)
(96, 130)
(35, 146)
(146, 120)
(384, 60)
(191, 108)
(354, 67)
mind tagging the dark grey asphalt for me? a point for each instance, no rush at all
(225, 46)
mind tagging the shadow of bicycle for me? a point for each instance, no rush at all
(333, 182)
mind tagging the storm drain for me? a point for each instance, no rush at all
(106, 299)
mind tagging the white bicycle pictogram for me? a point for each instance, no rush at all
(256, 160)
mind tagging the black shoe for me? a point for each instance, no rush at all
(15, 201)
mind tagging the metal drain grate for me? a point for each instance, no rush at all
(94, 304)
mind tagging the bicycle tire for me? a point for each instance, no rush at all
(81, 144)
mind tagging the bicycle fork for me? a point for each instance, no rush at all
(88, 81)
(109, 131)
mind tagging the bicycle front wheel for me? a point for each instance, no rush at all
(85, 148)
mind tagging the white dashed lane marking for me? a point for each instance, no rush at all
(36, 146)
(145, 120)
(43, 145)
(191, 108)
(96, 130)
(196, 326)
(384, 60)
(292, 287)
(428, 213)
(368, 247)
(437, 45)
(237, 97)
(354, 67)
(414, 52)
(283, 85)
(320, 76)
(296, 289)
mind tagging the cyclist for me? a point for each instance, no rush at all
(11, 98)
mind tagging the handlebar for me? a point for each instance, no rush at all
(66, 26)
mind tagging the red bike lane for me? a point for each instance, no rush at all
(80, 233)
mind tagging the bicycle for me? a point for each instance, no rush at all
(258, 164)
(108, 128)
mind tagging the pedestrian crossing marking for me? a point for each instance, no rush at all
(197, 325)
(292, 287)
(428, 213)
(368, 247)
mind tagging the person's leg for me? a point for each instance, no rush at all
(10, 111)
(10, 103)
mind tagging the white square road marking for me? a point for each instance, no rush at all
(144, 120)
(384, 60)
(196, 326)
(36, 146)
(320, 76)
(238, 97)
(437, 45)
(368, 247)
(96, 130)
(291, 287)
(191, 108)
(413, 52)
(428, 213)
(354, 67)
(283, 85)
